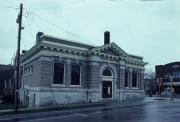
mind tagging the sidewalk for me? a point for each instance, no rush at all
(75, 108)
(155, 98)
(50, 108)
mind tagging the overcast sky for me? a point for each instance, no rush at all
(147, 28)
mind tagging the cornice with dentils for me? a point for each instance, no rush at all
(97, 51)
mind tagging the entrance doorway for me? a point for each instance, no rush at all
(107, 89)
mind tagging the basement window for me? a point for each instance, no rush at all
(75, 75)
(58, 77)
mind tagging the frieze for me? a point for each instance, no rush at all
(104, 56)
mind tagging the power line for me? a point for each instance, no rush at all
(23, 43)
(9, 7)
(28, 24)
(74, 2)
(57, 26)
(28, 16)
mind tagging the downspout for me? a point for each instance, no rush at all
(52, 70)
(119, 78)
(53, 95)
(87, 92)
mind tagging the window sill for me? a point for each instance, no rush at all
(126, 87)
(135, 88)
(58, 85)
(107, 98)
(75, 86)
(27, 75)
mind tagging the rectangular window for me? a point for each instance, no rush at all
(134, 79)
(178, 74)
(25, 71)
(31, 69)
(75, 75)
(28, 70)
(126, 79)
(58, 77)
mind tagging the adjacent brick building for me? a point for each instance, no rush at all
(6, 83)
(165, 72)
(59, 71)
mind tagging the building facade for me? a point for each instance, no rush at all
(150, 86)
(7, 83)
(165, 72)
(58, 71)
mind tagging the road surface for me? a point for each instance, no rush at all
(158, 111)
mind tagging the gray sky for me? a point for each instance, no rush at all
(147, 28)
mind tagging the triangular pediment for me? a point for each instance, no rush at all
(110, 52)
(111, 49)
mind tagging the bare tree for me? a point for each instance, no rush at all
(149, 74)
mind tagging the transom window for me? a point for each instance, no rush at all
(107, 72)
(75, 75)
(58, 77)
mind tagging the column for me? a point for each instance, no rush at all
(142, 79)
(122, 77)
(68, 73)
(130, 77)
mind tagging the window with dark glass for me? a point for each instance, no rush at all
(107, 72)
(75, 75)
(134, 79)
(31, 69)
(58, 73)
(126, 79)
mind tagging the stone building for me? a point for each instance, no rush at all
(59, 71)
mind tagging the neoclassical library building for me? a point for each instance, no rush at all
(58, 71)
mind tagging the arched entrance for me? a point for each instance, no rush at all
(107, 86)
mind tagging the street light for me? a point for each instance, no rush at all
(158, 79)
(171, 80)
(159, 82)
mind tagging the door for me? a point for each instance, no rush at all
(107, 89)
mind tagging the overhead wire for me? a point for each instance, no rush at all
(57, 26)
(72, 3)
(30, 13)
(9, 7)
(28, 23)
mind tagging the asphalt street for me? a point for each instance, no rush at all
(158, 111)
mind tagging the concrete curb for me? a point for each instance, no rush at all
(70, 111)
(50, 108)
(100, 107)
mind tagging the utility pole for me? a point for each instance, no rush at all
(171, 80)
(19, 22)
(158, 84)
